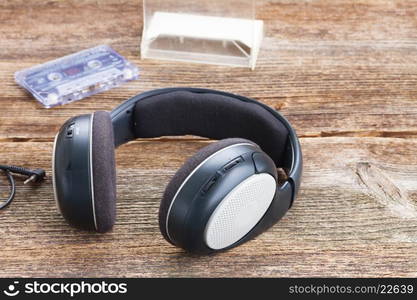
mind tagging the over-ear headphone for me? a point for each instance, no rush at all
(223, 196)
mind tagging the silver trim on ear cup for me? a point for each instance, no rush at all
(53, 175)
(91, 170)
(189, 176)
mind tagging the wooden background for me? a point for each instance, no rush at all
(343, 72)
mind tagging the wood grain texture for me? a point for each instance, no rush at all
(343, 72)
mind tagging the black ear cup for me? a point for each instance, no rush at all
(183, 173)
(103, 171)
(84, 172)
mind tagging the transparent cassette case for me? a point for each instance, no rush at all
(214, 32)
(77, 76)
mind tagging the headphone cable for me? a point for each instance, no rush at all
(36, 175)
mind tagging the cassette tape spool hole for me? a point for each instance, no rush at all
(94, 64)
(55, 76)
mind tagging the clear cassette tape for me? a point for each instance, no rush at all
(77, 76)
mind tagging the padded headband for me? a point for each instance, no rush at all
(211, 114)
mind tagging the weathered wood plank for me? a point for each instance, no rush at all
(334, 68)
(343, 72)
(356, 216)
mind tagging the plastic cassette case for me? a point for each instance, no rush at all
(77, 76)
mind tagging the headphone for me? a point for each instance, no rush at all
(226, 194)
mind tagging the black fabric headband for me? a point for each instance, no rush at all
(211, 114)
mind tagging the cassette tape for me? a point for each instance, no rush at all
(77, 76)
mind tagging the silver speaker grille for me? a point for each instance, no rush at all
(240, 211)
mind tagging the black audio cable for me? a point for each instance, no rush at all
(36, 175)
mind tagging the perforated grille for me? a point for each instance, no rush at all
(240, 211)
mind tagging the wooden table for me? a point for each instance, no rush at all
(343, 72)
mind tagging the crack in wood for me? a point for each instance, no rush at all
(322, 134)
(382, 188)
(26, 140)
(367, 133)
